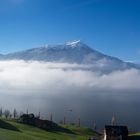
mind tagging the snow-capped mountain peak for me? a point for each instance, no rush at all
(71, 52)
(74, 43)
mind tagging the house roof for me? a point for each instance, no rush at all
(116, 130)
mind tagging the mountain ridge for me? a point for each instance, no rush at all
(68, 45)
(70, 52)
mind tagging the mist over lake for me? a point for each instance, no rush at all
(59, 87)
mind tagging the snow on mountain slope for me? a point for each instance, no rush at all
(71, 52)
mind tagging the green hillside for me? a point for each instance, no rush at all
(11, 130)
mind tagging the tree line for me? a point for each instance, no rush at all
(9, 114)
(6, 113)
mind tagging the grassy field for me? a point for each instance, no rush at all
(135, 136)
(11, 130)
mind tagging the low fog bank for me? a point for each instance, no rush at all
(59, 87)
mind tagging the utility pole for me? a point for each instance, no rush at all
(94, 126)
(79, 122)
(66, 115)
(64, 120)
(27, 111)
(113, 121)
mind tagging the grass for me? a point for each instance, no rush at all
(134, 136)
(11, 130)
(26, 132)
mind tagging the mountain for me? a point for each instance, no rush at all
(71, 52)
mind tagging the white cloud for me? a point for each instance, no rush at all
(35, 76)
(54, 87)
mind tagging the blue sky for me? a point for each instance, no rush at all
(109, 26)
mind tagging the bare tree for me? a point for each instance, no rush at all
(1, 112)
(51, 118)
(15, 114)
(7, 113)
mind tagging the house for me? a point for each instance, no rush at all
(30, 119)
(115, 132)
